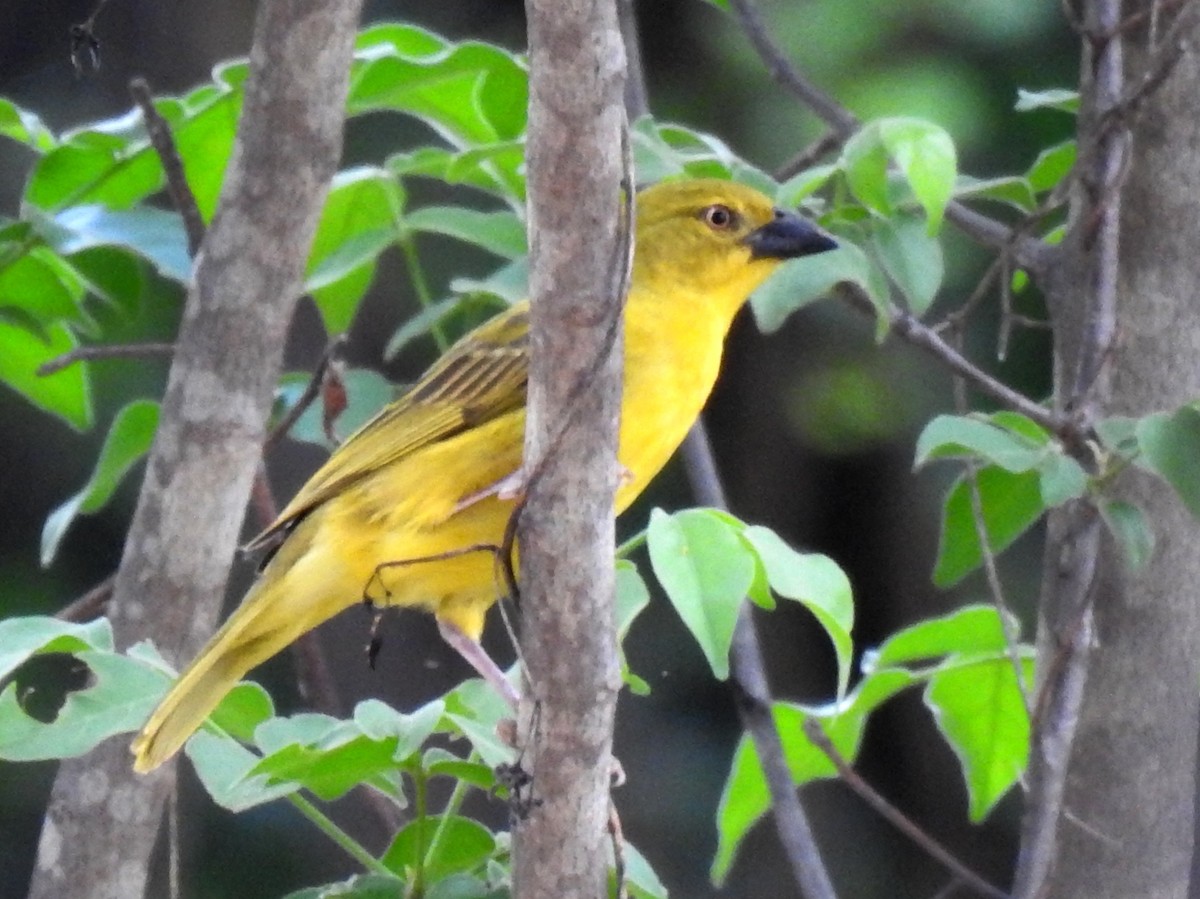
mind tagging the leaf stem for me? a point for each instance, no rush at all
(350, 845)
(421, 285)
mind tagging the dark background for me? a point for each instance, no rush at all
(813, 429)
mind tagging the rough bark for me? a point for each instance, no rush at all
(103, 820)
(577, 66)
(1125, 824)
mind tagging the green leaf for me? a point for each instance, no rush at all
(420, 324)
(156, 235)
(925, 155)
(242, 710)
(474, 709)
(358, 222)
(815, 581)
(971, 629)
(361, 886)
(1013, 190)
(438, 762)
(953, 436)
(705, 570)
(45, 287)
(1051, 166)
(745, 797)
(632, 598)
(1128, 524)
(462, 846)
(24, 127)
(119, 699)
(979, 710)
(330, 757)
(367, 392)
(127, 441)
(1118, 434)
(66, 393)
(803, 185)
(498, 168)
(82, 172)
(501, 233)
(798, 282)
(640, 877)
(465, 886)
(470, 93)
(1170, 445)
(1011, 505)
(912, 258)
(865, 160)
(224, 765)
(1061, 478)
(27, 636)
(1055, 98)
(114, 274)
(379, 721)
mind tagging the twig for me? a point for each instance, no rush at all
(832, 113)
(85, 48)
(991, 572)
(754, 702)
(91, 604)
(895, 817)
(109, 351)
(810, 155)
(1031, 253)
(996, 587)
(163, 142)
(1102, 173)
(637, 103)
(311, 391)
(921, 335)
(616, 836)
(1056, 710)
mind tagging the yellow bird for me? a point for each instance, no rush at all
(424, 477)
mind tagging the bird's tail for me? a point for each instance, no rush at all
(273, 614)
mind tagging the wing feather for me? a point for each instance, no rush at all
(480, 377)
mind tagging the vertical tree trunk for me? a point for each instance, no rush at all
(103, 819)
(578, 267)
(1126, 821)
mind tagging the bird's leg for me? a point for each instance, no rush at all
(478, 659)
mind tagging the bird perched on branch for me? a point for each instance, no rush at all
(392, 516)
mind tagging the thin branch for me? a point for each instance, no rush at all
(311, 391)
(991, 572)
(996, 587)
(1029, 252)
(91, 605)
(1102, 171)
(159, 132)
(110, 351)
(921, 335)
(895, 817)
(754, 702)
(809, 156)
(828, 110)
(1057, 708)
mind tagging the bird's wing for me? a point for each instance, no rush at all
(480, 377)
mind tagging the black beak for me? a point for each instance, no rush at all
(788, 236)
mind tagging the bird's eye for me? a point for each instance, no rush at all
(718, 217)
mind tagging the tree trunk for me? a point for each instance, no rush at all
(103, 820)
(578, 266)
(1126, 820)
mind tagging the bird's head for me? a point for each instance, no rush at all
(717, 238)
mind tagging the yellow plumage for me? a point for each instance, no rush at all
(420, 480)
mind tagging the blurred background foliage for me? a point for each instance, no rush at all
(813, 426)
